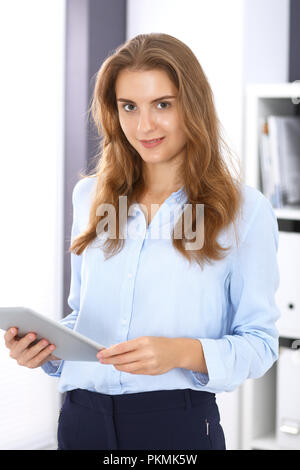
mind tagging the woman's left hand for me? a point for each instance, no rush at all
(150, 355)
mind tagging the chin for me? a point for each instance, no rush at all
(155, 159)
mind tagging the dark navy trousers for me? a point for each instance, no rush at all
(157, 420)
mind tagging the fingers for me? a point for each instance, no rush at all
(33, 352)
(42, 357)
(9, 337)
(19, 346)
(125, 358)
(24, 352)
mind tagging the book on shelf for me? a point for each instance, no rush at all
(279, 151)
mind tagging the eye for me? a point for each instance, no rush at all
(124, 106)
(161, 102)
(165, 102)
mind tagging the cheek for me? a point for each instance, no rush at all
(171, 123)
(181, 137)
(173, 128)
(166, 122)
(127, 127)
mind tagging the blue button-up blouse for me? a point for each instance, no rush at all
(149, 289)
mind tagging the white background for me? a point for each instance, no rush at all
(32, 40)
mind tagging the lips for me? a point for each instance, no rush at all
(151, 144)
(152, 140)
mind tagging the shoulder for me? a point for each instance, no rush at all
(251, 198)
(82, 196)
(254, 217)
(84, 190)
(256, 213)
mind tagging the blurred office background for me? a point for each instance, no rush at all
(50, 52)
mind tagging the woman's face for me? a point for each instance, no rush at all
(145, 113)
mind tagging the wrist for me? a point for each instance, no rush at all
(190, 355)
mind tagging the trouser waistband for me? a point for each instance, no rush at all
(142, 401)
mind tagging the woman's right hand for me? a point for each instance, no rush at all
(26, 355)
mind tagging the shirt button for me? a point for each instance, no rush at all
(130, 275)
(124, 321)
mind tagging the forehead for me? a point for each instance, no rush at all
(143, 85)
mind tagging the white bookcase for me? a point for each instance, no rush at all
(258, 417)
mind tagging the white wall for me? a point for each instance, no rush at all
(232, 40)
(266, 45)
(213, 30)
(266, 41)
(32, 39)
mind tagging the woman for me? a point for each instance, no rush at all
(183, 317)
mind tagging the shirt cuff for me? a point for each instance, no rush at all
(216, 375)
(53, 368)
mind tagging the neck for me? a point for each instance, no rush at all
(161, 183)
(162, 190)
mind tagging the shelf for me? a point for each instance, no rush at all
(291, 213)
(275, 90)
(265, 443)
(263, 100)
(259, 396)
(289, 333)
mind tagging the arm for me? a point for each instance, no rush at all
(190, 355)
(251, 345)
(53, 368)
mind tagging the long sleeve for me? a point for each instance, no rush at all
(53, 368)
(251, 345)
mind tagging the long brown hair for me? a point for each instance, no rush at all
(207, 178)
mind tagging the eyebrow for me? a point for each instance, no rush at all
(153, 101)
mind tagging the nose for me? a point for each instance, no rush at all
(146, 122)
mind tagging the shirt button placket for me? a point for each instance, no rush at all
(128, 292)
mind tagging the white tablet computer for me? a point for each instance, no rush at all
(70, 345)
